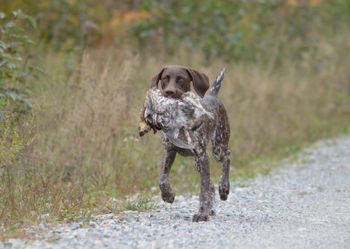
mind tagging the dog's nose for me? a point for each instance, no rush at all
(169, 93)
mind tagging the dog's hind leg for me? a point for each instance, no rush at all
(222, 154)
(168, 158)
(224, 184)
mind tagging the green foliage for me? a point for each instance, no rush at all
(14, 65)
(60, 22)
(141, 204)
(238, 30)
(11, 144)
(233, 30)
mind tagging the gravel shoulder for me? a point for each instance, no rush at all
(302, 204)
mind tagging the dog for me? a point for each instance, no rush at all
(173, 81)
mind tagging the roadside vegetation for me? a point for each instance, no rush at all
(71, 91)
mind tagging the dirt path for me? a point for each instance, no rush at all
(305, 204)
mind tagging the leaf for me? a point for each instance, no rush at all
(21, 15)
(39, 70)
(28, 102)
(32, 21)
(11, 66)
(3, 45)
(18, 13)
(10, 25)
(2, 62)
(14, 96)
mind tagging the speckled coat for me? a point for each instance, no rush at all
(215, 130)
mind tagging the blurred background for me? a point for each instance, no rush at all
(73, 77)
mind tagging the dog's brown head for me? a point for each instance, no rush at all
(175, 80)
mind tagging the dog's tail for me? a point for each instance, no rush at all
(217, 83)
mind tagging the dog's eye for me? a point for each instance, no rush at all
(164, 81)
(180, 81)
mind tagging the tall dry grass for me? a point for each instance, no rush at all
(85, 149)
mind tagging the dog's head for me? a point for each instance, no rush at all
(175, 80)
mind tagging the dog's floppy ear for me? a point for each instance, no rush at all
(200, 81)
(156, 78)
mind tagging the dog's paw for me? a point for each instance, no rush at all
(168, 197)
(200, 217)
(224, 190)
(167, 194)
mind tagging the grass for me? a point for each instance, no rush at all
(142, 203)
(78, 154)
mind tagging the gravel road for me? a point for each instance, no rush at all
(303, 204)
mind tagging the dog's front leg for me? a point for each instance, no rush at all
(168, 158)
(206, 197)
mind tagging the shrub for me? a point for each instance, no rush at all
(239, 30)
(14, 60)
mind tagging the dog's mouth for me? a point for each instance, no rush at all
(176, 95)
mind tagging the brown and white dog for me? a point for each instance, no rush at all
(173, 81)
